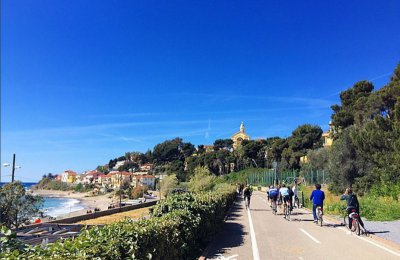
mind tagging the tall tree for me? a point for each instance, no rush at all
(16, 206)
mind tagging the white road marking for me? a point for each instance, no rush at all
(301, 258)
(310, 236)
(382, 247)
(373, 243)
(256, 255)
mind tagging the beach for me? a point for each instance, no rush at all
(87, 201)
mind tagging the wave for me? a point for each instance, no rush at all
(61, 206)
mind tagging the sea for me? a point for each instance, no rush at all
(53, 206)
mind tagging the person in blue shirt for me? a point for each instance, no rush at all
(317, 197)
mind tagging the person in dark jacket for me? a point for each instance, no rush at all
(352, 203)
(317, 197)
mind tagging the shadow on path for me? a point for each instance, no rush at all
(232, 233)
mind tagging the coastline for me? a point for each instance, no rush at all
(87, 201)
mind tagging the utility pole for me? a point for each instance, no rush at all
(13, 169)
(120, 190)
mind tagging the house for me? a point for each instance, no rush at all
(144, 180)
(117, 178)
(104, 179)
(119, 164)
(91, 176)
(58, 177)
(140, 173)
(68, 176)
(147, 167)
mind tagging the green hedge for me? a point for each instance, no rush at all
(180, 227)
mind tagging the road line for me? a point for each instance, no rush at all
(310, 236)
(256, 255)
(301, 258)
(373, 243)
(381, 247)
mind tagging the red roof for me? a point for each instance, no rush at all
(69, 172)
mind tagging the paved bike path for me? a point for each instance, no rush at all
(277, 238)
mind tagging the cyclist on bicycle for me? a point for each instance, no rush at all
(273, 195)
(317, 197)
(352, 203)
(247, 193)
(284, 194)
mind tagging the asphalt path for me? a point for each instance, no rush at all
(258, 234)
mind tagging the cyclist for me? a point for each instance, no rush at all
(284, 194)
(273, 195)
(352, 203)
(247, 193)
(317, 197)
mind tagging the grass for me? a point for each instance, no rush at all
(371, 207)
(134, 214)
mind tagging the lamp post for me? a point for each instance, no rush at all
(13, 168)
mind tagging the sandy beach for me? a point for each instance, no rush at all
(88, 201)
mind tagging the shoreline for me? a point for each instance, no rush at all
(87, 201)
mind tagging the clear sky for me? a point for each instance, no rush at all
(83, 82)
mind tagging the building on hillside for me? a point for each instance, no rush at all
(104, 179)
(327, 136)
(139, 173)
(239, 137)
(58, 177)
(144, 180)
(119, 164)
(118, 178)
(68, 176)
(209, 148)
(147, 167)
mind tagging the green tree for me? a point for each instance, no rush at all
(16, 206)
(168, 184)
(168, 151)
(202, 180)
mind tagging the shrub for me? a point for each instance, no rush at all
(179, 228)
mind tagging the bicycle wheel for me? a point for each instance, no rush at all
(320, 218)
(346, 221)
(356, 226)
(274, 208)
(288, 212)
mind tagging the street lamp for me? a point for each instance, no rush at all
(13, 168)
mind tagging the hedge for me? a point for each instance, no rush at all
(179, 228)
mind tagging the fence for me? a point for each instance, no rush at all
(271, 177)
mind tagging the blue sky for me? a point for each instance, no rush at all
(83, 82)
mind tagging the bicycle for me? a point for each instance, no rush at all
(355, 222)
(247, 202)
(319, 215)
(274, 210)
(286, 210)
